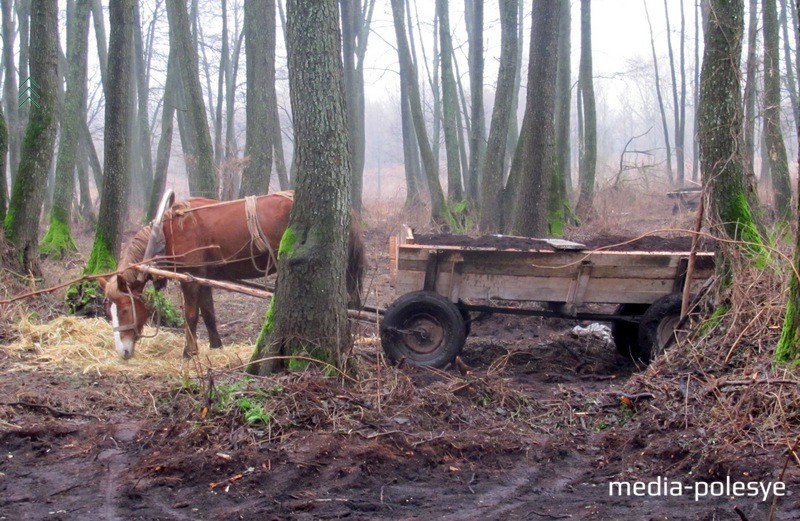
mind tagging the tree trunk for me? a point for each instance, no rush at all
(588, 151)
(477, 145)
(408, 75)
(116, 147)
(38, 147)
(58, 239)
(720, 128)
(3, 165)
(696, 93)
(513, 130)
(100, 35)
(410, 152)
(165, 141)
(788, 348)
(204, 181)
(751, 68)
(661, 109)
(449, 105)
(562, 183)
(788, 56)
(143, 155)
(259, 48)
(778, 162)
(678, 102)
(219, 149)
(494, 167)
(351, 20)
(308, 314)
(538, 139)
(10, 89)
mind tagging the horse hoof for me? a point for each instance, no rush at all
(216, 346)
(188, 355)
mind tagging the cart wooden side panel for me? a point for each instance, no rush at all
(572, 277)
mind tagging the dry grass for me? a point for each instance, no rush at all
(86, 345)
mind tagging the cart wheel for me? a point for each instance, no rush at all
(626, 334)
(657, 326)
(424, 328)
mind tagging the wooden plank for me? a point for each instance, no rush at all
(543, 289)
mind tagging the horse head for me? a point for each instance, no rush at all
(127, 310)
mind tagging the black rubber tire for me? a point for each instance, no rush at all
(626, 334)
(657, 326)
(424, 328)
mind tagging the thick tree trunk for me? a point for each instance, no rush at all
(538, 139)
(788, 348)
(116, 147)
(259, 48)
(494, 168)
(562, 183)
(58, 239)
(308, 314)
(773, 135)
(588, 152)
(449, 106)
(720, 130)
(204, 181)
(38, 147)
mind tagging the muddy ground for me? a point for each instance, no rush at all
(534, 424)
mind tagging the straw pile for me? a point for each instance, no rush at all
(86, 345)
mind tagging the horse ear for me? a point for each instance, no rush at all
(122, 284)
(102, 281)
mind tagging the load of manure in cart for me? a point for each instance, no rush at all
(607, 242)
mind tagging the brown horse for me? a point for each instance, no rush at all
(230, 240)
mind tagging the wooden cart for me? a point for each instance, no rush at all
(441, 285)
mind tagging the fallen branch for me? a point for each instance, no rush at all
(52, 410)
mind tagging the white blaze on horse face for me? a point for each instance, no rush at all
(124, 345)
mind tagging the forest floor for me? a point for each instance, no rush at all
(538, 425)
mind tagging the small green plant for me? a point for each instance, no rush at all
(82, 296)
(253, 412)
(165, 313)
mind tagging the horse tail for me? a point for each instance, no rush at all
(356, 262)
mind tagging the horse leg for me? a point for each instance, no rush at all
(209, 318)
(191, 295)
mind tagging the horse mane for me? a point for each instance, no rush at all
(133, 253)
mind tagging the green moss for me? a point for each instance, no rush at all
(740, 225)
(102, 258)
(714, 320)
(165, 312)
(317, 353)
(788, 348)
(288, 241)
(82, 296)
(58, 240)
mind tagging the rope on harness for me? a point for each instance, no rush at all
(258, 239)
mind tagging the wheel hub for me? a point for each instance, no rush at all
(424, 334)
